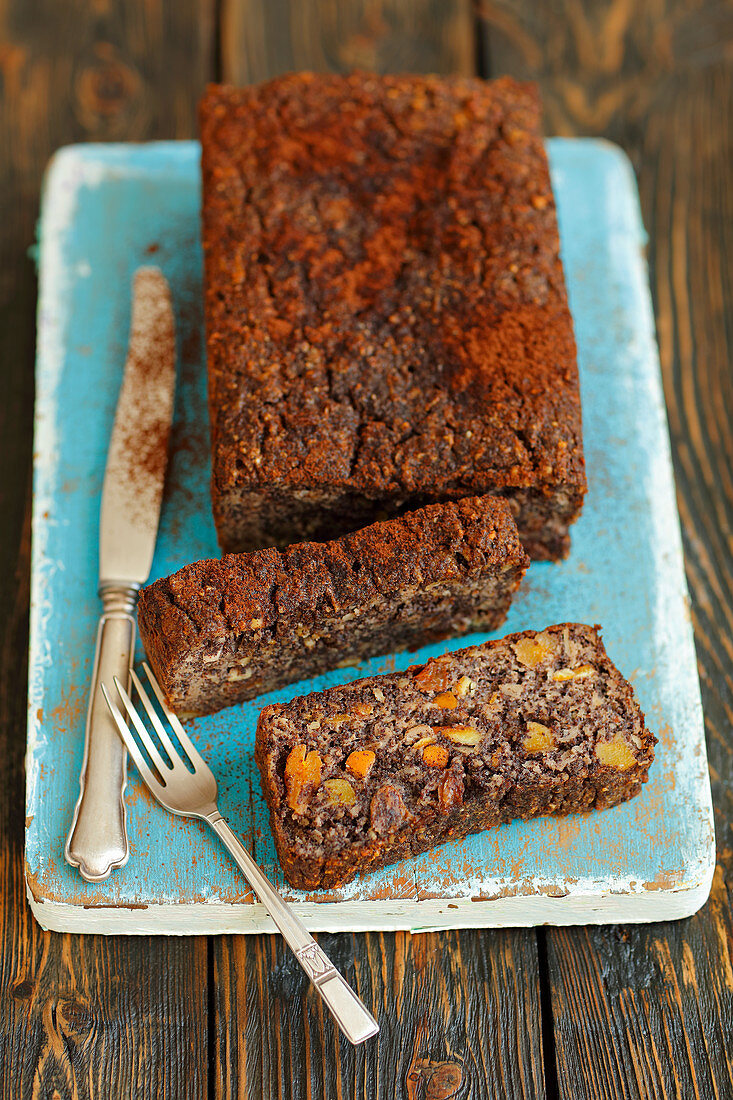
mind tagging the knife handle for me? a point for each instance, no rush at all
(98, 837)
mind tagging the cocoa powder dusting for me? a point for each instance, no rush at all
(139, 446)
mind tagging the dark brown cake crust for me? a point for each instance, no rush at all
(387, 320)
(384, 768)
(219, 632)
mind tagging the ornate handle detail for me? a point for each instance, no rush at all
(97, 840)
(315, 962)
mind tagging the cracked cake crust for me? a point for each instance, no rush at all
(386, 313)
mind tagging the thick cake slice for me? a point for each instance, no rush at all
(386, 313)
(219, 632)
(365, 774)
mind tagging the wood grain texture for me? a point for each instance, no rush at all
(458, 1011)
(648, 1011)
(260, 40)
(78, 1016)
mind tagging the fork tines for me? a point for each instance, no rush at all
(163, 766)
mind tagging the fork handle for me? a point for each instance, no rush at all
(354, 1019)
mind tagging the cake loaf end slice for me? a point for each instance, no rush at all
(365, 774)
(219, 632)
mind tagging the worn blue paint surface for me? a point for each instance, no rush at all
(108, 209)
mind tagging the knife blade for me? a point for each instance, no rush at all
(130, 510)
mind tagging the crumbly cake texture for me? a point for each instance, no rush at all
(219, 632)
(387, 319)
(362, 775)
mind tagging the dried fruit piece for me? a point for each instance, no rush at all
(435, 756)
(338, 719)
(446, 700)
(340, 792)
(539, 738)
(581, 673)
(615, 754)
(461, 735)
(463, 687)
(531, 652)
(387, 811)
(436, 675)
(450, 791)
(364, 709)
(360, 762)
(302, 775)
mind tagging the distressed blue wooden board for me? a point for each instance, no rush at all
(106, 210)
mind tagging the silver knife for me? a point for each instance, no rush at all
(131, 498)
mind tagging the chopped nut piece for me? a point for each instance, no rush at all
(494, 704)
(379, 695)
(302, 775)
(340, 792)
(435, 756)
(360, 762)
(581, 673)
(531, 652)
(387, 810)
(423, 741)
(463, 687)
(539, 738)
(461, 735)
(255, 624)
(615, 754)
(436, 675)
(446, 700)
(450, 791)
(364, 709)
(418, 731)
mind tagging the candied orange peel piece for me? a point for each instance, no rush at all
(435, 756)
(302, 775)
(360, 762)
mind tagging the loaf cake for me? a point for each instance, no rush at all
(387, 322)
(219, 632)
(363, 775)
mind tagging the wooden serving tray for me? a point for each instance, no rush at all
(107, 209)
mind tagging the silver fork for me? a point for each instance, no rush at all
(194, 795)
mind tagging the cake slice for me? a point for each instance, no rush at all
(387, 323)
(219, 632)
(365, 774)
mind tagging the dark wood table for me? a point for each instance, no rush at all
(637, 1011)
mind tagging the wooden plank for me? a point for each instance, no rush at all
(78, 1016)
(260, 40)
(458, 1011)
(647, 1011)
